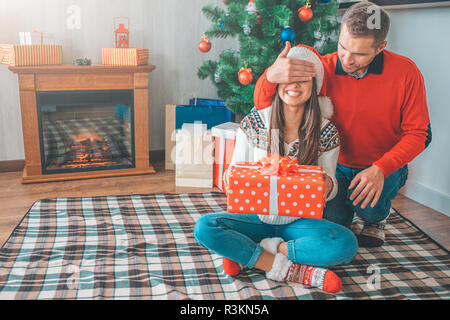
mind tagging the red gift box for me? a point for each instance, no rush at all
(224, 142)
(278, 187)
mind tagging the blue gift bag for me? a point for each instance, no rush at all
(212, 112)
(207, 102)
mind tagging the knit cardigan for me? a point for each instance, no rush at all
(251, 145)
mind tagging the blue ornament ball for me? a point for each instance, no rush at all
(324, 1)
(287, 34)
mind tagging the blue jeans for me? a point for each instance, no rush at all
(340, 210)
(309, 241)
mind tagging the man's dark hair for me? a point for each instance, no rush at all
(361, 20)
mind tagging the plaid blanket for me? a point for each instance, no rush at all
(142, 247)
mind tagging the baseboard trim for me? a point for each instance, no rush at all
(18, 165)
(12, 165)
(427, 196)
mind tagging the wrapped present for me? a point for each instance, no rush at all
(276, 186)
(224, 141)
(125, 56)
(194, 157)
(30, 55)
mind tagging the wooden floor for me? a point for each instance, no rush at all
(16, 198)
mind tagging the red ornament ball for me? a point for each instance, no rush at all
(245, 76)
(204, 45)
(305, 13)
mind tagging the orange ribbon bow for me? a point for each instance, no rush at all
(276, 165)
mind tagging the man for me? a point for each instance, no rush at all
(381, 113)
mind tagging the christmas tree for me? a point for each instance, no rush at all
(262, 27)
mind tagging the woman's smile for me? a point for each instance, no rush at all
(293, 93)
(296, 93)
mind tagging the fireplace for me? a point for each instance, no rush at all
(86, 130)
(83, 122)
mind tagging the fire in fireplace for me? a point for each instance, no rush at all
(89, 149)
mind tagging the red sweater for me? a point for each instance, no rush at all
(382, 118)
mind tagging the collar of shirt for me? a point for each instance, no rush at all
(375, 67)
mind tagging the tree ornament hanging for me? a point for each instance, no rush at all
(217, 78)
(317, 34)
(251, 7)
(245, 76)
(287, 34)
(204, 45)
(323, 1)
(305, 13)
(246, 29)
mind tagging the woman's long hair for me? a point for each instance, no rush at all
(308, 131)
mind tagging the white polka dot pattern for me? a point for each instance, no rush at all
(299, 195)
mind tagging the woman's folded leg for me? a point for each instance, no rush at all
(234, 236)
(318, 242)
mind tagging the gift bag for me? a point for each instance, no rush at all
(278, 187)
(224, 142)
(211, 112)
(194, 157)
(207, 102)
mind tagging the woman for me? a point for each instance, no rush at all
(287, 248)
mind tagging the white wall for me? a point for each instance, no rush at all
(422, 35)
(171, 29)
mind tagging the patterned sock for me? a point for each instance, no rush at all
(285, 270)
(230, 267)
(315, 277)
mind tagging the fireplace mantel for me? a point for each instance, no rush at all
(35, 79)
(67, 68)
